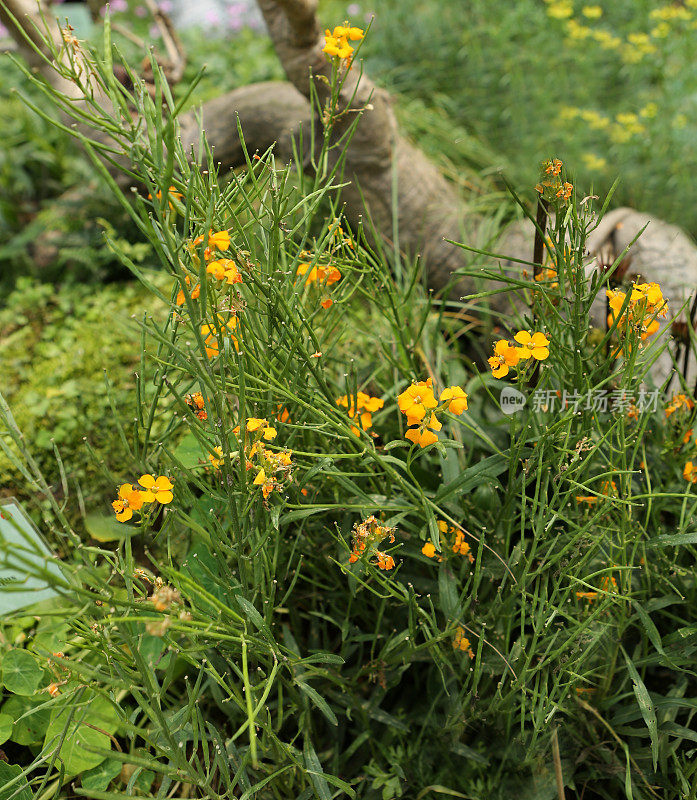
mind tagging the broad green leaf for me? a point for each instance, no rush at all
(108, 529)
(77, 740)
(189, 452)
(5, 727)
(29, 729)
(20, 672)
(102, 775)
(17, 791)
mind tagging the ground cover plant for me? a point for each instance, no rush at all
(331, 562)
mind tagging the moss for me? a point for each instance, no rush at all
(55, 348)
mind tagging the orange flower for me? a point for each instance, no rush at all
(461, 642)
(565, 191)
(194, 294)
(197, 403)
(173, 193)
(424, 435)
(505, 356)
(429, 550)
(216, 241)
(365, 405)
(678, 402)
(224, 269)
(456, 398)
(416, 401)
(554, 167)
(210, 334)
(690, 472)
(534, 345)
(367, 535)
(158, 489)
(129, 500)
(590, 596)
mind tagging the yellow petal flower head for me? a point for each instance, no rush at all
(219, 240)
(505, 356)
(128, 501)
(457, 399)
(416, 401)
(224, 269)
(210, 335)
(424, 435)
(534, 345)
(429, 550)
(158, 489)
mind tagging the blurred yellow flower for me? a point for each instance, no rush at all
(592, 12)
(594, 162)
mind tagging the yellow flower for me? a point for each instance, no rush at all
(364, 409)
(158, 489)
(219, 240)
(505, 356)
(560, 10)
(224, 269)
(461, 642)
(336, 42)
(429, 550)
(424, 435)
(592, 12)
(129, 500)
(565, 191)
(457, 399)
(217, 459)
(677, 402)
(210, 334)
(534, 345)
(416, 401)
(594, 162)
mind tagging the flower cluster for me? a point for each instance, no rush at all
(419, 405)
(196, 402)
(645, 303)
(273, 469)
(461, 642)
(532, 345)
(367, 535)
(221, 269)
(152, 490)
(362, 406)
(336, 42)
(322, 276)
(458, 545)
(677, 402)
(552, 187)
